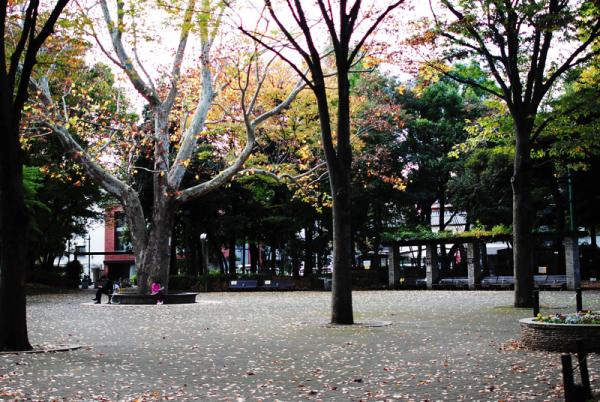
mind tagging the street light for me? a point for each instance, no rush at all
(89, 255)
(203, 240)
(571, 212)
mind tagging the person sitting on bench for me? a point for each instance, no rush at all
(106, 287)
(116, 288)
(156, 289)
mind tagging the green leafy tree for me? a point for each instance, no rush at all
(481, 188)
(377, 182)
(436, 113)
(25, 28)
(515, 42)
(69, 198)
(179, 111)
(340, 22)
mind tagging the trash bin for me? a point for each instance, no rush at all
(327, 283)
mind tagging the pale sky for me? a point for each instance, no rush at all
(157, 56)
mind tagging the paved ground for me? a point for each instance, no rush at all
(441, 345)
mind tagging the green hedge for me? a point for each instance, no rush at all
(73, 271)
(424, 233)
(49, 278)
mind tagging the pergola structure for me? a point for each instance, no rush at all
(475, 247)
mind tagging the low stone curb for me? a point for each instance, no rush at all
(43, 349)
(357, 324)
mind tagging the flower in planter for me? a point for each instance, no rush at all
(583, 317)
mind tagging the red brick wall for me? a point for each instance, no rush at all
(109, 230)
(109, 239)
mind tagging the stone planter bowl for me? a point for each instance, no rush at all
(559, 337)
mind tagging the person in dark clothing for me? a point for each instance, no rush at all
(106, 287)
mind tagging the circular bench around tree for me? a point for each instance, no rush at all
(169, 298)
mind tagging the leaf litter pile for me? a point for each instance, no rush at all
(248, 346)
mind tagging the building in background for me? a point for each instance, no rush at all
(119, 261)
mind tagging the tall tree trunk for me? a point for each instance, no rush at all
(244, 256)
(340, 180)
(308, 254)
(342, 260)
(284, 261)
(191, 246)
(48, 262)
(273, 259)
(173, 254)
(295, 266)
(353, 248)
(253, 256)
(376, 262)
(232, 259)
(14, 217)
(442, 211)
(152, 257)
(522, 211)
(320, 261)
(14, 226)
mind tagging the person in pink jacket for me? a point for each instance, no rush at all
(156, 289)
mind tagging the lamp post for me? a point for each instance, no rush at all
(203, 240)
(571, 242)
(89, 239)
(571, 209)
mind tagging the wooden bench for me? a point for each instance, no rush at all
(412, 282)
(501, 282)
(243, 284)
(453, 283)
(550, 281)
(277, 284)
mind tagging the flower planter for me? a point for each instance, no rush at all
(553, 337)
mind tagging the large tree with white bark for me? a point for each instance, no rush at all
(169, 152)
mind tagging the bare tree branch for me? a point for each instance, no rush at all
(125, 61)
(484, 50)
(228, 173)
(372, 28)
(279, 54)
(176, 69)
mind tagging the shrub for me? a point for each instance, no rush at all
(73, 271)
(182, 282)
(49, 278)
